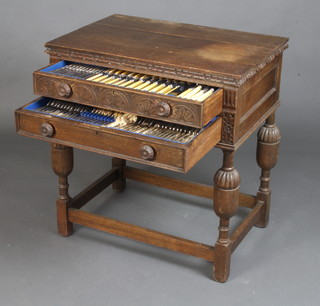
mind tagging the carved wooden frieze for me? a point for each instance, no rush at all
(82, 92)
(228, 120)
(114, 99)
(144, 105)
(167, 109)
(150, 106)
(127, 63)
(186, 113)
(46, 86)
(52, 87)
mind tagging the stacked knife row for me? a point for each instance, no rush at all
(122, 121)
(137, 81)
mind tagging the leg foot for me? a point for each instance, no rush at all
(226, 198)
(62, 165)
(222, 260)
(267, 156)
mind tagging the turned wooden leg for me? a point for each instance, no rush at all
(120, 184)
(267, 156)
(226, 198)
(62, 165)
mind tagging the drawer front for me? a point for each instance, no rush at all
(146, 104)
(138, 148)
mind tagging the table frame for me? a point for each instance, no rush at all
(225, 194)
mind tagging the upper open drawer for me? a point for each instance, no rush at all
(169, 100)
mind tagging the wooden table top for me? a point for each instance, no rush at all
(194, 50)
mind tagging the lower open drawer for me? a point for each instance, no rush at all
(32, 121)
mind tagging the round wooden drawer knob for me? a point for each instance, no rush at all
(163, 109)
(147, 152)
(46, 129)
(64, 90)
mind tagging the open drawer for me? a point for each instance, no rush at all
(56, 82)
(32, 120)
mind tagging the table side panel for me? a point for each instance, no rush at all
(252, 96)
(258, 97)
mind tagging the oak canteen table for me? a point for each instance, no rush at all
(162, 94)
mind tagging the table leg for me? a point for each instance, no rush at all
(267, 156)
(62, 165)
(120, 184)
(226, 198)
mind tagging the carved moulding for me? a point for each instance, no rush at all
(227, 178)
(226, 194)
(115, 61)
(269, 134)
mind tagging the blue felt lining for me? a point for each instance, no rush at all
(38, 103)
(43, 100)
(55, 66)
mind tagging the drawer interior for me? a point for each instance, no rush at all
(113, 120)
